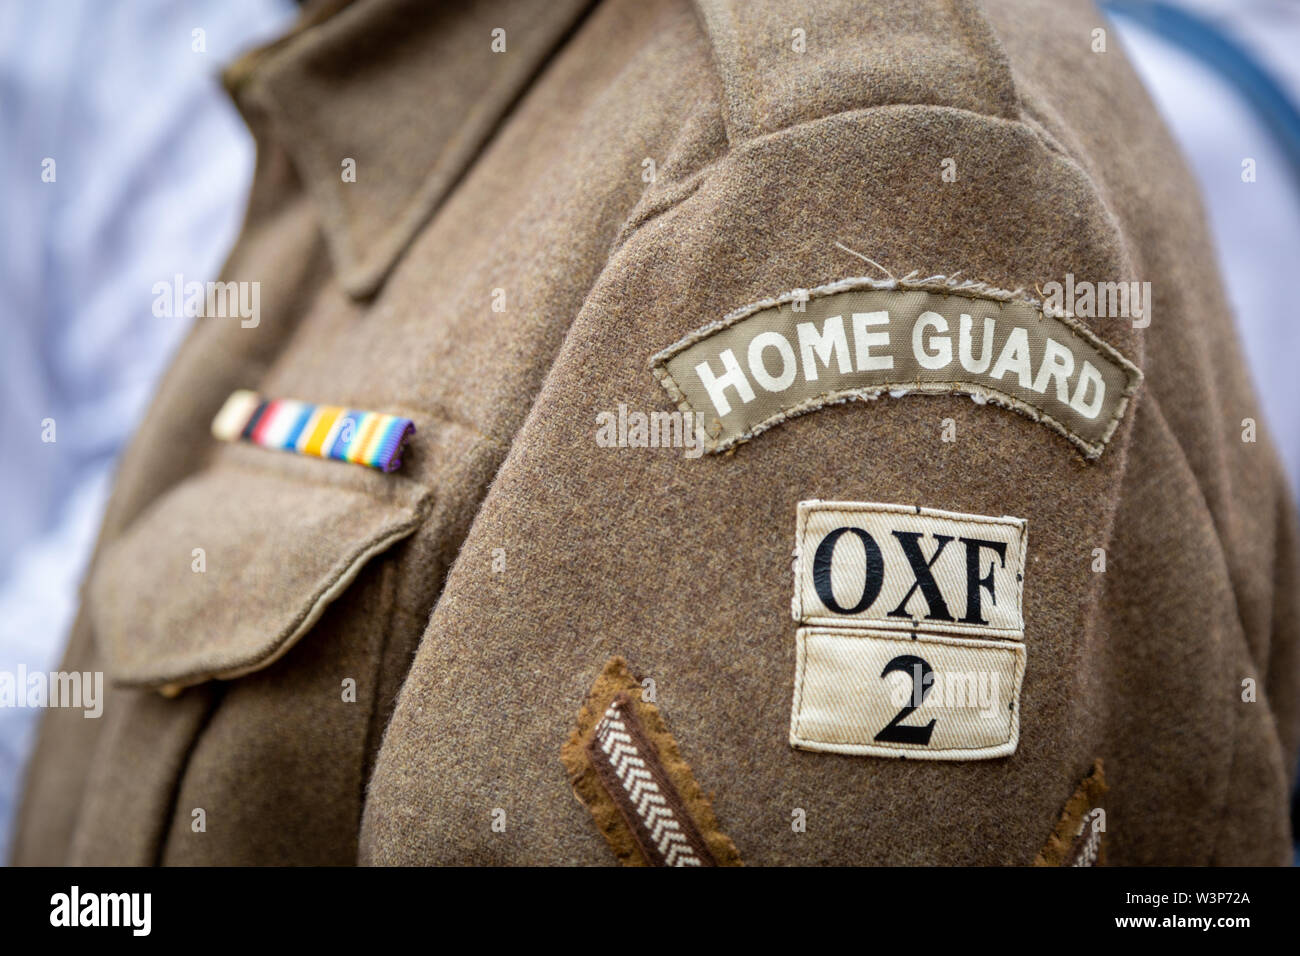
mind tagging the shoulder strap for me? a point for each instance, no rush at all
(784, 63)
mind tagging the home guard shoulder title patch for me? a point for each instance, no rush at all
(861, 338)
(893, 669)
(625, 768)
(373, 439)
(1077, 838)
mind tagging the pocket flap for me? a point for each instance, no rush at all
(275, 551)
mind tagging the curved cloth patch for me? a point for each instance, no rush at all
(625, 768)
(860, 338)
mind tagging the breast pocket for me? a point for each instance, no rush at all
(224, 573)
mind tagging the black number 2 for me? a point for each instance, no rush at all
(922, 674)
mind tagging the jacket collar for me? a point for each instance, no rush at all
(409, 91)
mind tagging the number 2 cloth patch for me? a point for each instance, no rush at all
(913, 644)
(886, 694)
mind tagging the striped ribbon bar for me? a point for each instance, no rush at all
(322, 431)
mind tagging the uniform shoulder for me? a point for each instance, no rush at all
(783, 63)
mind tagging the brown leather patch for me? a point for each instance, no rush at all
(625, 768)
(1077, 838)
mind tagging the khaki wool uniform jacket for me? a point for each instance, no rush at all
(528, 228)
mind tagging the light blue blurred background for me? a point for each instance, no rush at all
(152, 165)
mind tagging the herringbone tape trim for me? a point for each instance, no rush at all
(629, 769)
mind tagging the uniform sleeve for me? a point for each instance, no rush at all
(678, 561)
